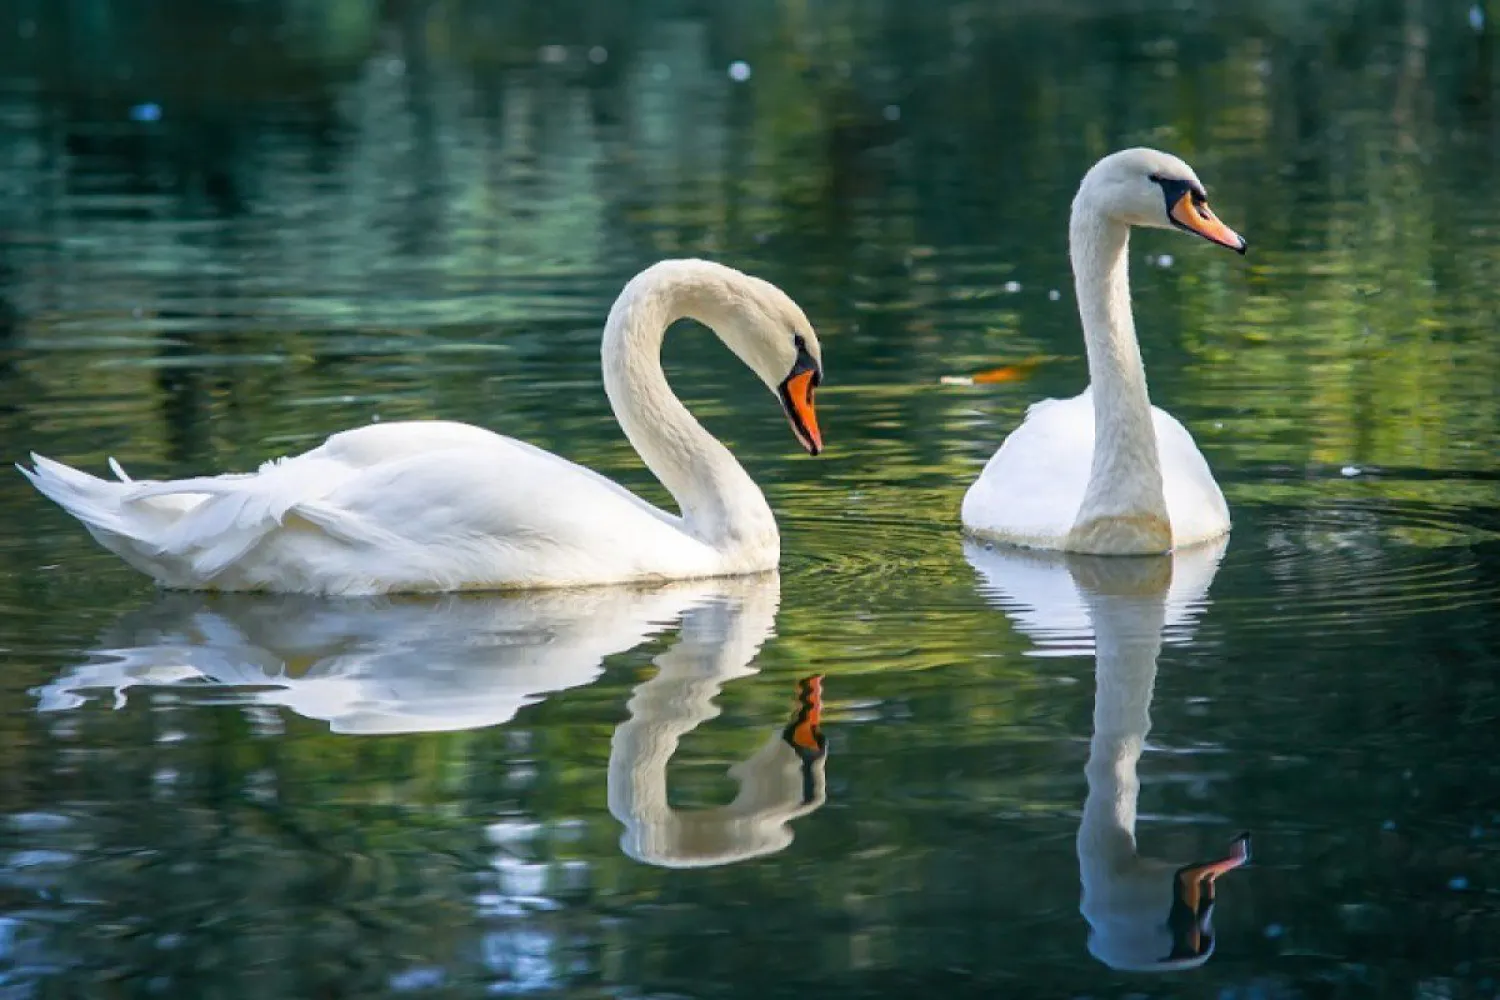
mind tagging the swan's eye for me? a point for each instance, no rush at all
(805, 361)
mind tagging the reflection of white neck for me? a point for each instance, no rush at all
(1127, 638)
(717, 643)
(720, 503)
(1127, 606)
(1127, 899)
(1125, 481)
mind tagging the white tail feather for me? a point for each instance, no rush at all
(179, 531)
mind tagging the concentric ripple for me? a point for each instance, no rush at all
(865, 543)
(1358, 565)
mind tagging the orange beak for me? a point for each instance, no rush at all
(1197, 217)
(805, 732)
(797, 399)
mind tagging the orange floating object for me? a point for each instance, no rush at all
(1005, 373)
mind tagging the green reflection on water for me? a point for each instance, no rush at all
(419, 210)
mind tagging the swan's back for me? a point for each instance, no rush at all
(398, 507)
(1032, 488)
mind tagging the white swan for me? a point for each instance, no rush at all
(780, 782)
(1106, 472)
(436, 663)
(1144, 914)
(436, 506)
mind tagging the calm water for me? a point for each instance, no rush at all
(229, 229)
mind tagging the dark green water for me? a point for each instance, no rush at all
(229, 229)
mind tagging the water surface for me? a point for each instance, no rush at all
(230, 229)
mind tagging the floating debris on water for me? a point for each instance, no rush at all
(1005, 373)
(147, 112)
(739, 71)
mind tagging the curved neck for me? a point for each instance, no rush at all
(720, 503)
(718, 643)
(1125, 480)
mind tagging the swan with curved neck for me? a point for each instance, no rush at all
(778, 783)
(436, 505)
(1105, 472)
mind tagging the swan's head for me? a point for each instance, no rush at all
(770, 333)
(1146, 187)
(758, 321)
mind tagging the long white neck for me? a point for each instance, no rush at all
(717, 643)
(1124, 495)
(720, 503)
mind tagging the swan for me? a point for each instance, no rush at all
(380, 665)
(1107, 473)
(438, 506)
(1144, 914)
(779, 782)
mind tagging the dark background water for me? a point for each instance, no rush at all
(229, 229)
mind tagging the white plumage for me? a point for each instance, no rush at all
(436, 506)
(1105, 472)
(1024, 500)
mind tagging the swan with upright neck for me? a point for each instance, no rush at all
(438, 506)
(1144, 913)
(1107, 473)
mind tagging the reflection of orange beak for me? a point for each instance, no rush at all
(805, 732)
(1193, 900)
(1199, 218)
(797, 399)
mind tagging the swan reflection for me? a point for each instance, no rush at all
(379, 665)
(374, 665)
(778, 783)
(1144, 914)
(467, 661)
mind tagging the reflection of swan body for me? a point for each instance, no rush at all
(1106, 472)
(1143, 913)
(434, 506)
(382, 665)
(778, 783)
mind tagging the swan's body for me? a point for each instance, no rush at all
(436, 506)
(1144, 914)
(778, 783)
(1106, 472)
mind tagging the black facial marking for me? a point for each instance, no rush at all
(1174, 189)
(805, 362)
